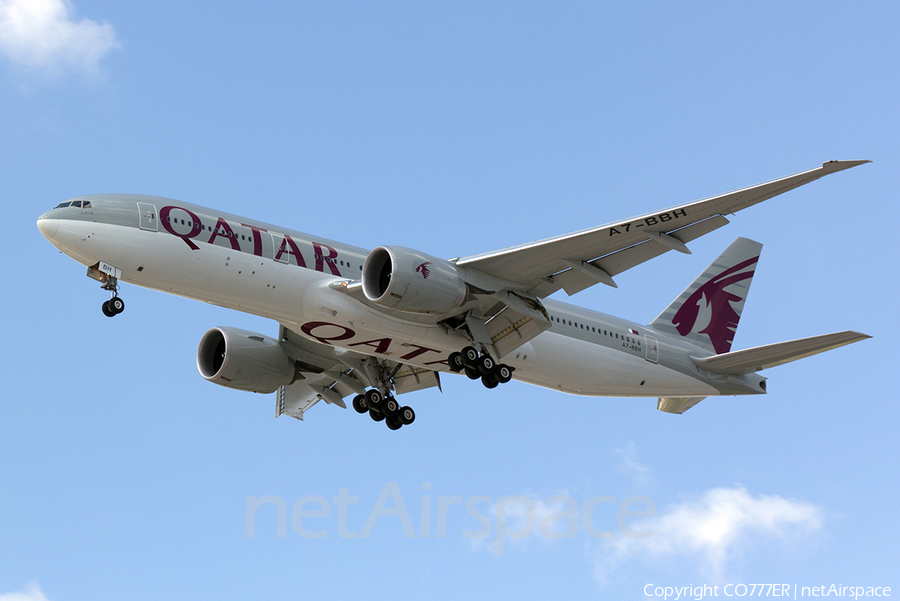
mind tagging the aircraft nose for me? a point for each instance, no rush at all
(48, 225)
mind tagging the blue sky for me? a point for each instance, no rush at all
(455, 128)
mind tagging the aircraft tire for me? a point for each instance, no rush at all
(470, 357)
(390, 407)
(486, 365)
(456, 363)
(489, 381)
(393, 423)
(472, 373)
(116, 305)
(373, 398)
(503, 373)
(375, 415)
(406, 415)
(106, 310)
(359, 403)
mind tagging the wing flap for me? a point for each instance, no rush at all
(771, 355)
(294, 400)
(677, 404)
(410, 379)
(520, 320)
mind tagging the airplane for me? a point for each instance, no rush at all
(381, 323)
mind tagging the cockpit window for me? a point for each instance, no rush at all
(78, 204)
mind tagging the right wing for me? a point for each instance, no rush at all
(579, 260)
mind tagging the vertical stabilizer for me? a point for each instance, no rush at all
(708, 311)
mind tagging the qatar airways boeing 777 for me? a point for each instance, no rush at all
(380, 323)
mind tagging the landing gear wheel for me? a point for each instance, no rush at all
(393, 423)
(373, 399)
(375, 415)
(470, 357)
(456, 363)
(486, 365)
(359, 403)
(489, 381)
(390, 406)
(472, 373)
(106, 310)
(406, 416)
(116, 305)
(503, 373)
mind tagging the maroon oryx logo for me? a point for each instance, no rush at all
(423, 269)
(723, 319)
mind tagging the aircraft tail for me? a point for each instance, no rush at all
(708, 311)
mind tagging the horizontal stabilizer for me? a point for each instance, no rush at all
(762, 357)
(677, 404)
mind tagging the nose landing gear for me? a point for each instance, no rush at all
(114, 305)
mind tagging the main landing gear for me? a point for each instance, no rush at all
(384, 408)
(477, 365)
(114, 305)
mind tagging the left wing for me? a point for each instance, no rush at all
(331, 374)
(579, 260)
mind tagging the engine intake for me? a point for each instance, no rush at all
(409, 280)
(244, 360)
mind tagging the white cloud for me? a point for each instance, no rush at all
(630, 466)
(710, 531)
(45, 34)
(32, 592)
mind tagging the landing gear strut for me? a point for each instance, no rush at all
(480, 365)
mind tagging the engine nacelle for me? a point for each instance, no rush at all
(408, 280)
(244, 360)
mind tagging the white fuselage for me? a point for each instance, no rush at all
(286, 276)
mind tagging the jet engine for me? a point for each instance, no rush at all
(244, 360)
(408, 280)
